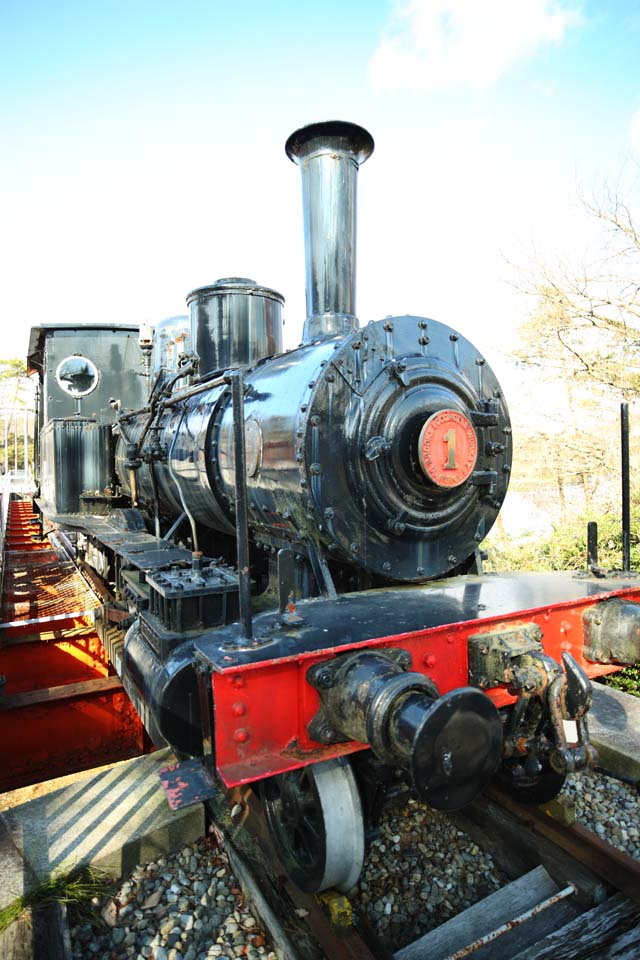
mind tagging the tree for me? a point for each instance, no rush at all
(12, 368)
(586, 320)
(581, 346)
(16, 414)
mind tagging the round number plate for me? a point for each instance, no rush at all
(448, 448)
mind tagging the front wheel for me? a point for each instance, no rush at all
(315, 819)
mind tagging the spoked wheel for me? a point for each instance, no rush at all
(532, 790)
(315, 818)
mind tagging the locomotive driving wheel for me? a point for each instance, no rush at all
(315, 819)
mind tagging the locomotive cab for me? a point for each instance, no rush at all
(81, 368)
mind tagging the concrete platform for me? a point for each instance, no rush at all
(614, 727)
(113, 819)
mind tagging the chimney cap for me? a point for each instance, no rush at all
(330, 135)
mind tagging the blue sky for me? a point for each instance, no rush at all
(142, 149)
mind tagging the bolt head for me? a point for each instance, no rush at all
(323, 678)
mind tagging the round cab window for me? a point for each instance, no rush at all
(77, 376)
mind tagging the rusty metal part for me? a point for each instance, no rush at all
(612, 632)
(547, 696)
(186, 782)
(493, 656)
(569, 698)
(493, 935)
(584, 846)
(451, 745)
(517, 658)
(116, 615)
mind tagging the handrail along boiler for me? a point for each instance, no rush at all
(287, 547)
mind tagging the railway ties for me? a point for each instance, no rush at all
(571, 895)
(63, 710)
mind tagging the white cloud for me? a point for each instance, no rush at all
(434, 44)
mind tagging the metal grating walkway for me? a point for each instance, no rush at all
(39, 586)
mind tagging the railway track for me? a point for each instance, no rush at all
(571, 894)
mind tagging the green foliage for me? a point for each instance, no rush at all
(565, 548)
(76, 890)
(628, 680)
(12, 368)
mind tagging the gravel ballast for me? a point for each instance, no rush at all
(420, 871)
(187, 906)
(608, 807)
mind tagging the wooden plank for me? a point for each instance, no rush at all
(263, 868)
(51, 940)
(612, 929)
(267, 915)
(41, 932)
(16, 941)
(627, 946)
(481, 918)
(524, 935)
(66, 691)
(64, 635)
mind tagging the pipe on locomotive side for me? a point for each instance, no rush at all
(329, 156)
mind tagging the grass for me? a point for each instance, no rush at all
(77, 890)
(627, 680)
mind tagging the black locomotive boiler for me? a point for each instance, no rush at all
(287, 547)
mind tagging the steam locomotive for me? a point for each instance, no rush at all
(287, 547)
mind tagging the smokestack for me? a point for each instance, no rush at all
(329, 155)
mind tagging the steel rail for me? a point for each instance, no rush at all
(612, 865)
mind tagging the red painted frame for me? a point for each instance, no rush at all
(262, 710)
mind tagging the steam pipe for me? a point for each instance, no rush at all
(329, 155)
